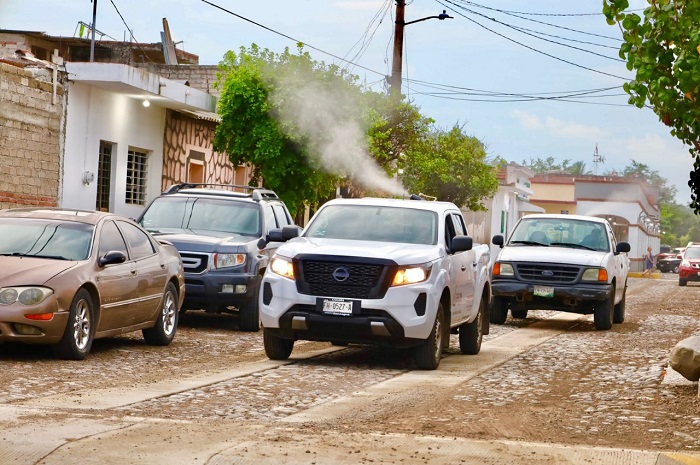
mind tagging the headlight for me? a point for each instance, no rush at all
(595, 274)
(282, 267)
(503, 269)
(24, 295)
(411, 275)
(227, 260)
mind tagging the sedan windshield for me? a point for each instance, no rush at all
(45, 239)
(173, 214)
(573, 233)
(374, 223)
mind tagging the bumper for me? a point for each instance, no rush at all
(689, 274)
(207, 290)
(51, 331)
(577, 298)
(403, 317)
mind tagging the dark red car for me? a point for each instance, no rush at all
(689, 270)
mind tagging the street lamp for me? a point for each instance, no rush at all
(398, 44)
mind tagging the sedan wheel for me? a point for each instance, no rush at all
(77, 337)
(163, 331)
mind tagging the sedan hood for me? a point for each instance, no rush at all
(22, 271)
(402, 254)
(552, 254)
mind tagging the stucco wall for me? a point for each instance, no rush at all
(30, 137)
(94, 115)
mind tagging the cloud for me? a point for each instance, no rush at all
(557, 128)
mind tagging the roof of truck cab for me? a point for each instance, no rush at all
(431, 205)
(564, 216)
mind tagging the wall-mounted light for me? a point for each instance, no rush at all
(146, 103)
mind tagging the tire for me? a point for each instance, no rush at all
(603, 312)
(276, 348)
(249, 312)
(77, 337)
(339, 343)
(682, 282)
(519, 314)
(619, 311)
(163, 332)
(675, 268)
(499, 311)
(471, 334)
(428, 354)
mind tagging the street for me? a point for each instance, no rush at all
(547, 389)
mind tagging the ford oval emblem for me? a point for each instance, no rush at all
(341, 274)
(547, 273)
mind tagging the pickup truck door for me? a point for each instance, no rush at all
(621, 266)
(461, 269)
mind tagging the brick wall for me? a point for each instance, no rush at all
(200, 77)
(30, 137)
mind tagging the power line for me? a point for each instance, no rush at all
(131, 33)
(386, 6)
(527, 46)
(548, 14)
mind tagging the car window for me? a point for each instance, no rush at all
(692, 252)
(45, 238)
(374, 223)
(282, 216)
(111, 240)
(270, 222)
(460, 229)
(140, 245)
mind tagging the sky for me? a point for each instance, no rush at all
(479, 70)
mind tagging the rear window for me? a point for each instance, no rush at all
(374, 223)
(45, 238)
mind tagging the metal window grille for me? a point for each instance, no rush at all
(136, 177)
(104, 174)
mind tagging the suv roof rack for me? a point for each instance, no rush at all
(258, 193)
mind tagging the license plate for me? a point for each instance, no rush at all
(337, 307)
(544, 291)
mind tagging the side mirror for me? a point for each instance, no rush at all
(498, 240)
(112, 257)
(461, 243)
(622, 247)
(290, 232)
(279, 235)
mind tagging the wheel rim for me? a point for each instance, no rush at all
(81, 325)
(479, 322)
(437, 349)
(168, 313)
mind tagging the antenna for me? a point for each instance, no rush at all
(597, 158)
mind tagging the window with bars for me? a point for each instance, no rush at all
(104, 176)
(136, 177)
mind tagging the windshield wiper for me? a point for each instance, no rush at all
(20, 254)
(529, 243)
(576, 246)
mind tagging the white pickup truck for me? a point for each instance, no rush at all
(398, 273)
(570, 263)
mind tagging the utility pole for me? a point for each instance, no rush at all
(395, 89)
(94, 26)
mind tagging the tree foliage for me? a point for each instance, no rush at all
(451, 166)
(540, 165)
(663, 48)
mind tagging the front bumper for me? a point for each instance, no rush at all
(577, 298)
(403, 317)
(51, 331)
(206, 290)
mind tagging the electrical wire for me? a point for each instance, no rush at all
(145, 54)
(386, 6)
(550, 14)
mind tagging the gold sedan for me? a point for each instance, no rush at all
(68, 277)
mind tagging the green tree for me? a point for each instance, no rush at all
(663, 48)
(451, 166)
(540, 165)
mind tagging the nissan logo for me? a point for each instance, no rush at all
(341, 274)
(547, 273)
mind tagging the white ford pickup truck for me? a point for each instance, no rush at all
(570, 263)
(388, 272)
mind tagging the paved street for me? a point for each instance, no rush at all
(547, 389)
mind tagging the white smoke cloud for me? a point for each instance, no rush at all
(329, 119)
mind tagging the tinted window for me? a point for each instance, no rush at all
(44, 238)
(282, 216)
(139, 242)
(111, 240)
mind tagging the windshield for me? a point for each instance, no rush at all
(692, 252)
(220, 217)
(561, 232)
(45, 238)
(375, 223)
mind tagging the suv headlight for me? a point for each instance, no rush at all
(283, 267)
(24, 295)
(411, 274)
(503, 269)
(595, 274)
(227, 260)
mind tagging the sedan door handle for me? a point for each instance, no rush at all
(464, 267)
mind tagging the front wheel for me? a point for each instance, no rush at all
(682, 282)
(77, 337)
(603, 312)
(276, 348)
(163, 331)
(429, 353)
(619, 312)
(471, 334)
(499, 311)
(675, 268)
